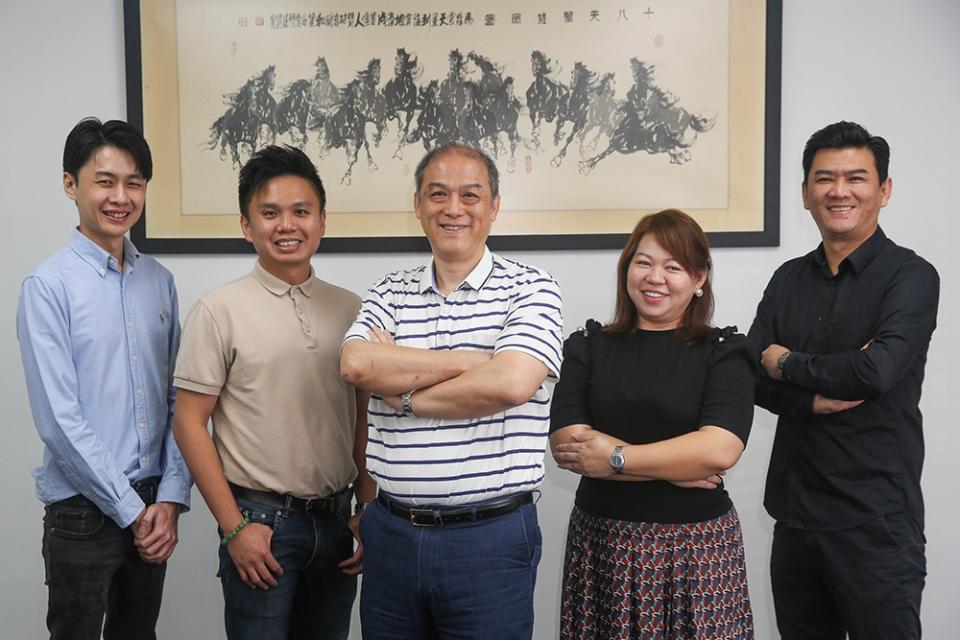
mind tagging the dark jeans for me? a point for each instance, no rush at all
(866, 581)
(468, 580)
(313, 599)
(94, 571)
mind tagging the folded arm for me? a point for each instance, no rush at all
(385, 368)
(709, 451)
(507, 380)
(907, 318)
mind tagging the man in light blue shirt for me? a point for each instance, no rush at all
(99, 330)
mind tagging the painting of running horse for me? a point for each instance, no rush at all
(475, 102)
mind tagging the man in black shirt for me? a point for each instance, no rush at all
(844, 332)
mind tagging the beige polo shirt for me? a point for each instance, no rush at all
(285, 419)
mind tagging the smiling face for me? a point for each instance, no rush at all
(660, 288)
(844, 194)
(109, 191)
(456, 208)
(285, 223)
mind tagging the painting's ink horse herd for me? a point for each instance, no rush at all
(474, 104)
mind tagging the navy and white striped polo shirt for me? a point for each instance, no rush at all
(501, 305)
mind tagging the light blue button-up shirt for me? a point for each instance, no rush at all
(98, 348)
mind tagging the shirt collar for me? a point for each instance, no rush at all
(475, 279)
(98, 257)
(861, 256)
(278, 287)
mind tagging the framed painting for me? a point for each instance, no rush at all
(596, 113)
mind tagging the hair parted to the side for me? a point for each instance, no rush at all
(457, 148)
(89, 135)
(273, 162)
(685, 241)
(847, 135)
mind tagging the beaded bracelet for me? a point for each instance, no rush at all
(233, 534)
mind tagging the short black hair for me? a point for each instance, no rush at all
(90, 134)
(464, 150)
(846, 135)
(273, 162)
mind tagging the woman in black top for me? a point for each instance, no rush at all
(651, 410)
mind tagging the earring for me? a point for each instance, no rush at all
(698, 292)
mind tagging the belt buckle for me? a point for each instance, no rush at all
(432, 518)
(320, 506)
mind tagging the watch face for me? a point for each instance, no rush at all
(616, 459)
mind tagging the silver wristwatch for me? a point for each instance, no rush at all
(406, 403)
(616, 458)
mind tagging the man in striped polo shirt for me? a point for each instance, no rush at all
(455, 354)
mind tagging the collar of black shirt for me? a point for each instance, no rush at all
(861, 256)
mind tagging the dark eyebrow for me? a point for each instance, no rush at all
(303, 204)
(848, 172)
(475, 187)
(110, 174)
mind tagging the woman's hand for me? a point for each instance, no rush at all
(588, 453)
(710, 482)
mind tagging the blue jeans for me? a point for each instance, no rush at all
(313, 598)
(93, 572)
(467, 580)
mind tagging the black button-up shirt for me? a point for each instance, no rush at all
(830, 472)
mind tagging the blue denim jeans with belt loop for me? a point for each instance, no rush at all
(313, 599)
(464, 580)
(96, 581)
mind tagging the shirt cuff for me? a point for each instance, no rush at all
(176, 491)
(128, 509)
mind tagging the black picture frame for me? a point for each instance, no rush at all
(769, 235)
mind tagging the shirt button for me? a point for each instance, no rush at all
(139, 391)
(143, 426)
(144, 459)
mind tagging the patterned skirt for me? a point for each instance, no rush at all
(626, 580)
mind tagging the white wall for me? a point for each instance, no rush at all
(888, 64)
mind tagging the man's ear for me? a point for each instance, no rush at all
(69, 186)
(245, 228)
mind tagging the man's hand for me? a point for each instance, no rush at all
(824, 406)
(379, 336)
(710, 482)
(393, 402)
(250, 552)
(354, 564)
(155, 532)
(768, 360)
(588, 454)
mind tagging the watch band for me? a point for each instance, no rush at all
(782, 360)
(406, 404)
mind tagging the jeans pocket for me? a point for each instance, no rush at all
(72, 521)
(257, 513)
(532, 537)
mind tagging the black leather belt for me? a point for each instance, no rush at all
(146, 489)
(427, 517)
(292, 504)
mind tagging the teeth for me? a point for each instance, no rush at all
(287, 243)
(654, 294)
(114, 214)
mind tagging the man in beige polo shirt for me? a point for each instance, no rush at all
(260, 355)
